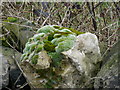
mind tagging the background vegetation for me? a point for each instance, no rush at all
(100, 18)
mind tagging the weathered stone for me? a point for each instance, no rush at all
(19, 35)
(43, 60)
(108, 76)
(8, 58)
(4, 73)
(85, 53)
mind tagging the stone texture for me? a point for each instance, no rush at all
(8, 59)
(109, 74)
(85, 53)
(4, 73)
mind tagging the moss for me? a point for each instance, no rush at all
(12, 19)
(30, 39)
(64, 46)
(48, 46)
(56, 27)
(22, 57)
(31, 55)
(39, 48)
(56, 58)
(46, 29)
(50, 37)
(32, 47)
(38, 36)
(74, 31)
(34, 59)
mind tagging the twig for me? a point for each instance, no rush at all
(17, 63)
(97, 5)
(19, 18)
(91, 11)
(117, 9)
(112, 35)
(5, 34)
(23, 86)
(11, 38)
(18, 78)
(47, 18)
(64, 16)
(8, 88)
(110, 25)
(11, 45)
(107, 50)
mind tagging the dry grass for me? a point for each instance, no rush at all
(98, 18)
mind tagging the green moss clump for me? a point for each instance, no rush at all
(38, 36)
(56, 58)
(48, 46)
(12, 19)
(46, 29)
(64, 46)
(39, 47)
(72, 30)
(34, 59)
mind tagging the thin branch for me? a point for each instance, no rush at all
(18, 78)
(91, 11)
(4, 34)
(20, 18)
(98, 5)
(110, 25)
(65, 16)
(20, 25)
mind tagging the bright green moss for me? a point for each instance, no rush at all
(38, 36)
(31, 55)
(12, 19)
(34, 59)
(39, 47)
(74, 31)
(56, 41)
(56, 58)
(46, 29)
(64, 46)
(22, 57)
(51, 38)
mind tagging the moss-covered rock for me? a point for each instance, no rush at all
(43, 56)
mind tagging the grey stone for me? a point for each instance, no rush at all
(4, 73)
(108, 76)
(8, 57)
